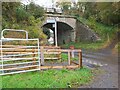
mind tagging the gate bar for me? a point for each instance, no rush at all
(2, 37)
(18, 63)
(19, 55)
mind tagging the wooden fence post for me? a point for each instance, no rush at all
(34, 59)
(69, 57)
(72, 51)
(42, 55)
(80, 58)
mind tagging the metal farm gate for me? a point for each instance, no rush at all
(18, 54)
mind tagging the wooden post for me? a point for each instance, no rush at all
(34, 59)
(58, 54)
(80, 58)
(72, 51)
(69, 57)
(42, 55)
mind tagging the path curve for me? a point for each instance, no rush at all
(108, 75)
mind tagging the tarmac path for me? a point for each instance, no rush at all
(106, 65)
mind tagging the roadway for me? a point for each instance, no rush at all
(105, 65)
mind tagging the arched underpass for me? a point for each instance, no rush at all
(64, 32)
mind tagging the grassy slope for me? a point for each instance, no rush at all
(84, 45)
(48, 79)
(105, 32)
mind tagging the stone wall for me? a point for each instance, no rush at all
(84, 33)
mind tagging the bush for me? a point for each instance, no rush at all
(23, 17)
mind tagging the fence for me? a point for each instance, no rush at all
(24, 55)
(58, 51)
(45, 54)
(19, 55)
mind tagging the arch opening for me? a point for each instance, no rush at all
(63, 32)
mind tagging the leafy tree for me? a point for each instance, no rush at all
(104, 12)
(109, 13)
(18, 16)
(21, 14)
(66, 7)
(35, 10)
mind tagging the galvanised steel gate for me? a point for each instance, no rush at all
(19, 54)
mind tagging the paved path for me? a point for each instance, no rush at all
(107, 65)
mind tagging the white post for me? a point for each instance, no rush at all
(56, 43)
(54, 22)
(2, 56)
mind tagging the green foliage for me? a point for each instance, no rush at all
(104, 31)
(48, 79)
(35, 10)
(8, 10)
(109, 13)
(66, 6)
(105, 12)
(21, 14)
(27, 17)
(89, 9)
(65, 57)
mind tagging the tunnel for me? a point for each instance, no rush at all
(63, 32)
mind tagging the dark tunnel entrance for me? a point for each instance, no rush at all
(63, 32)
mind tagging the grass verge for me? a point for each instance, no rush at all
(65, 57)
(84, 45)
(48, 79)
(0, 82)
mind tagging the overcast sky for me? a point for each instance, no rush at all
(46, 3)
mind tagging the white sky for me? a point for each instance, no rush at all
(46, 3)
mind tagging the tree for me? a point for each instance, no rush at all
(65, 6)
(109, 12)
(104, 12)
(17, 16)
(21, 14)
(35, 10)
(8, 9)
